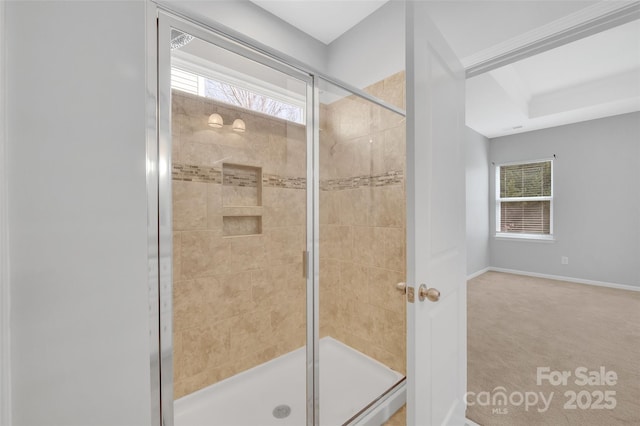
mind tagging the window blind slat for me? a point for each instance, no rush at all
(525, 180)
(184, 81)
(530, 217)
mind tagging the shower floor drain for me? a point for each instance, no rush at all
(281, 411)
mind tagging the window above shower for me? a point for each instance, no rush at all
(199, 77)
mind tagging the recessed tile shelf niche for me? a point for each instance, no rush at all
(241, 200)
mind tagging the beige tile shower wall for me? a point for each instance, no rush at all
(362, 223)
(238, 301)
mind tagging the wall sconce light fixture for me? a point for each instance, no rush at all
(215, 121)
(238, 125)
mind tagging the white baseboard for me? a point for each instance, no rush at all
(478, 273)
(469, 422)
(567, 279)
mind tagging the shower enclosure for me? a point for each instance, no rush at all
(282, 236)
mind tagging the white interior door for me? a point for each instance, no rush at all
(436, 330)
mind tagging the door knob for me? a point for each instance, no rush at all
(401, 287)
(430, 293)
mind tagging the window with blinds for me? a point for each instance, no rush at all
(524, 199)
(186, 81)
(231, 94)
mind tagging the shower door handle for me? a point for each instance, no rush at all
(305, 264)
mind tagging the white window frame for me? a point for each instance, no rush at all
(514, 235)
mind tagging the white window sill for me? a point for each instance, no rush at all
(526, 237)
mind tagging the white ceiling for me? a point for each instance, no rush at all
(599, 56)
(471, 26)
(591, 78)
(324, 20)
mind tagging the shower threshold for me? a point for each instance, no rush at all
(274, 393)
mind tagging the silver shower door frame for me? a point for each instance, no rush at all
(160, 21)
(164, 364)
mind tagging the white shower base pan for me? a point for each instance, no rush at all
(349, 381)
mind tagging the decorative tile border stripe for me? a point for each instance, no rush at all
(276, 181)
(190, 173)
(233, 176)
(394, 177)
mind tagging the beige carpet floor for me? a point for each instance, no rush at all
(517, 324)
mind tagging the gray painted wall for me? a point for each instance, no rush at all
(372, 50)
(596, 200)
(78, 213)
(477, 153)
(5, 317)
(77, 203)
(256, 23)
(366, 54)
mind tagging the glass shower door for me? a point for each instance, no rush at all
(362, 249)
(234, 137)
(282, 236)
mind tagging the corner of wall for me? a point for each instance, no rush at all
(477, 199)
(5, 360)
(372, 50)
(609, 254)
